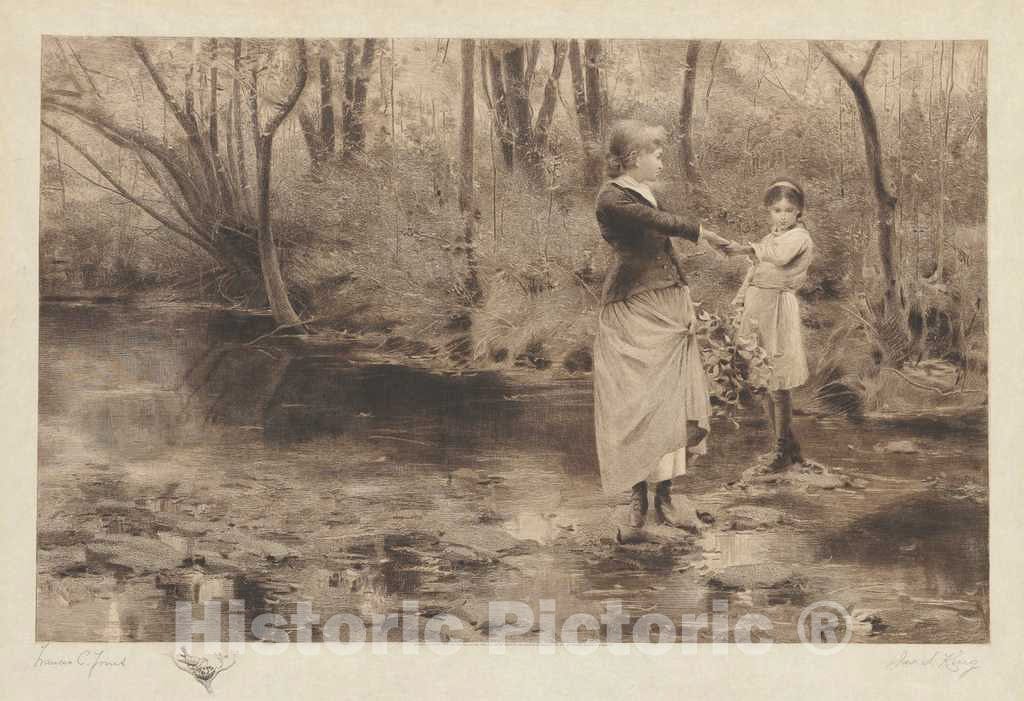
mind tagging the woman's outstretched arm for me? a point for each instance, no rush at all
(620, 209)
(780, 250)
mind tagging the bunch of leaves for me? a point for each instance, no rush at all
(736, 366)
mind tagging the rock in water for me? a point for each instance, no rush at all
(806, 474)
(866, 622)
(748, 517)
(901, 447)
(765, 575)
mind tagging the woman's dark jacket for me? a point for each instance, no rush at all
(639, 234)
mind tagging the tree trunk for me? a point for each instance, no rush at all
(940, 236)
(531, 63)
(311, 134)
(547, 107)
(359, 95)
(214, 140)
(502, 110)
(587, 107)
(190, 82)
(226, 185)
(686, 114)
(885, 203)
(60, 171)
(595, 101)
(467, 199)
(514, 62)
(327, 141)
(243, 171)
(277, 291)
(348, 94)
(357, 80)
(579, 89)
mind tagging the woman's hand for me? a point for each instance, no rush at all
(714, 239)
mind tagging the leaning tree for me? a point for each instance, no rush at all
(201, 166)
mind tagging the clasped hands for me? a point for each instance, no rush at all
(724, 245)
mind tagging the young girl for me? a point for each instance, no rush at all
(650, 393)
(772, 313)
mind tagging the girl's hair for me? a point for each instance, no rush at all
(785, 189)
(629, 139)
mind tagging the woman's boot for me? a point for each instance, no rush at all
(633, 530)
(680, 515)
(638, 505)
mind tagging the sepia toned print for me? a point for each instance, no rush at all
(378, 328)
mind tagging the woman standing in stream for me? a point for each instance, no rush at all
(651, 402)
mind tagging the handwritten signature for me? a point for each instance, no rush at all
(957, 662)
(93, 659)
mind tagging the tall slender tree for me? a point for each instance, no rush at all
(588, 103)
(357, 81)
(686, 154)
(885, 203)
(467, 198)
(277, 292)
(318, 126)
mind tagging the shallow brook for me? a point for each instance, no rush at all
(179, 463)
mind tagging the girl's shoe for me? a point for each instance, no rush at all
(793, 449)
(779, 459)
(769, 409)
(787, 450)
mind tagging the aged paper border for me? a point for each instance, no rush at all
(786, 671)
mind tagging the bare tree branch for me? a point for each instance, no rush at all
(124, 192)
(85, 71)
(72, 73)
(300, 83)
(547, 107)
(483, 76)
(94, 115)
(778, 80)
(845, 72)
(161, 85)
(187, 121)
(154, 175)
(532, 53)
(871, 59)
(711, 76)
